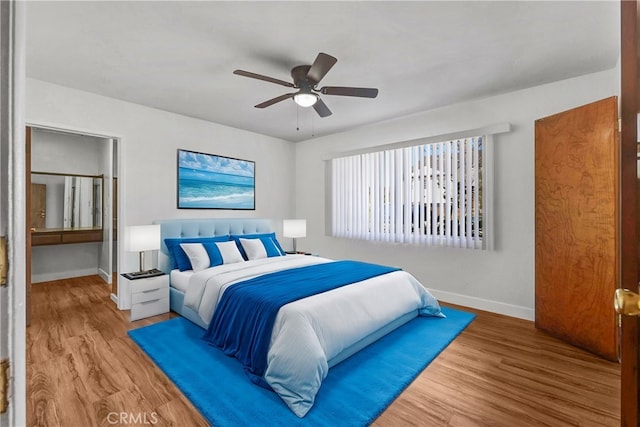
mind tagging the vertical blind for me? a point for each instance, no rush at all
(429, 194)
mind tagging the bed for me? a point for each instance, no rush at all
(308, 335)
(194, 228)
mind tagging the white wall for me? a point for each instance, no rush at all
(148, 142)
(64, 153)
(501, 280)
(53, 262)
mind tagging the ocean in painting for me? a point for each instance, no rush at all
(207, 189)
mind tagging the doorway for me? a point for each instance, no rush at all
(71, 204)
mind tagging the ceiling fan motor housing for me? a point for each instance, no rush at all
(299, 75)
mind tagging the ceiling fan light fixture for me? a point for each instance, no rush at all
(305, 99)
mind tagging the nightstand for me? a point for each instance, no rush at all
(149, 296)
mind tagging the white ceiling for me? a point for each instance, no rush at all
(179, 56)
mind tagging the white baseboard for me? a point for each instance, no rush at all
(47, 277)
(486, 305)
(105, 276)
(114, 298)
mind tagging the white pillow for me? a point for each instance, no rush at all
(229, 252)
(197, 255)
(254, 248)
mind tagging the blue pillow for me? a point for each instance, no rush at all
(177, 256)
(268, 239)
(215, 257)
(270, 246)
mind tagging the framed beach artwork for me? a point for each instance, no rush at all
(208, 181)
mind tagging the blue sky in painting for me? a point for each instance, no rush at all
(212, 163)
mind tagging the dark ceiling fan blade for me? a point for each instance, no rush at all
(261, 77)
(320, 67)
(275, 100)
(321, 108)
(363, 92)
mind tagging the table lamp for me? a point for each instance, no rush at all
(294, 228)
(141, 238)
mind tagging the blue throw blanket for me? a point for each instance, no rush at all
(243, 321)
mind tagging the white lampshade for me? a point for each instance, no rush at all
(294, 228)
(140, 238)
(305, 99)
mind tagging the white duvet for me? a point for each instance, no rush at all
(309, 332)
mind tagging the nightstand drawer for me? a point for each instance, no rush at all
(150, 295)
(149, 308)
(149, 284)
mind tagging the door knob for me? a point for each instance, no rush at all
(626, 302)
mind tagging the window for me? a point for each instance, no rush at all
(427, 194)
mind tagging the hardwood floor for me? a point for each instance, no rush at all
(501, 371)
(83, 370)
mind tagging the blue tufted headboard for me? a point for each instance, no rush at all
(205, 228)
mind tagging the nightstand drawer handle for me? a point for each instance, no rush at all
(150, 290)
(149, 302)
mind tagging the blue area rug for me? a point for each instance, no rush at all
(354, 393)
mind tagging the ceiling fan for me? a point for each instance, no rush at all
(306, 79)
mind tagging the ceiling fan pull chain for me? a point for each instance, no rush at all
(297, 118)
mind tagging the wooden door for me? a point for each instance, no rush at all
(38, 209)
(630, 211)
(576, 243)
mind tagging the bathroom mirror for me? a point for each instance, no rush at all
(66, 202)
